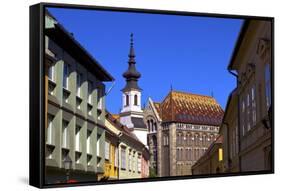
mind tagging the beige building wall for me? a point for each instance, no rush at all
(252, 63)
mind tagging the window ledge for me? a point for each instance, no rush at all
(79, 99)
(78, 152)
(65, 148)
(98, 156)
(52, 82)
(50, 145)
(66, 91)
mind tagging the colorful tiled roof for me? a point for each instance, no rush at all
(191, 108)
(115, 116)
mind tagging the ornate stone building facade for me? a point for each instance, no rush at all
(251, 64)
(211, 162)
(180, 130)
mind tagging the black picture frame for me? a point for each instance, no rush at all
(37, 92)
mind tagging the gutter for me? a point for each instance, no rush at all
(238, 125)
(228, 150)
(109, 90)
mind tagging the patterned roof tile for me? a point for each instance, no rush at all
(190, 108)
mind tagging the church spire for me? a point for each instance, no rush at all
(131, 75)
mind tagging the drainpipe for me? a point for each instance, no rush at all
(238, 125)
(108, 91)
(119, 157)
(228, 150)
(118, 143)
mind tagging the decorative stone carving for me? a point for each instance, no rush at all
(263, 47)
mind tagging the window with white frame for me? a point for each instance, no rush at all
(165, 140)
(77, 138)
(139, 163)
(100, 93)
(189, 154)
(196, 139)
(267, 86)
(50, 129)
(116, 157)
(65, 81)
(65, 135)
(107, 150)
(90, 90)
(98, 144)
(134, 162)
(123, 158)
(89, 133)
(78, 84)
(211, 138)
(253, 104)
(204, 139)
(188, 139)
(248, 112)
(243, 116)
(192, 154)
(130, 160)
(51, 73)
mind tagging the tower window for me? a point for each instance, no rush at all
(127, 100)
(135, 100)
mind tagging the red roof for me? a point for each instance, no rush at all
(190, 108)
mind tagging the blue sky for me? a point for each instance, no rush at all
(189, 53)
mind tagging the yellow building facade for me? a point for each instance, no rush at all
(212, 160)
(111, 152)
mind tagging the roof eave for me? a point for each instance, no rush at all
(66, 41)
(238, 44)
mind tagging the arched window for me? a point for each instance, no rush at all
(148, 125)
(211, 138)
(188, 139)
(196, 140)
(136, 100)
(127, 100)
(204, 143)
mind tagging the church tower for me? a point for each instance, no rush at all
(131, 113)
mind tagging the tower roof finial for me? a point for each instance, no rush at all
(131, 75)
(132, 39)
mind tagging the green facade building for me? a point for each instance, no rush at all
(75, 114)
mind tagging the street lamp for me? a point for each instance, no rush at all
(67, 166)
